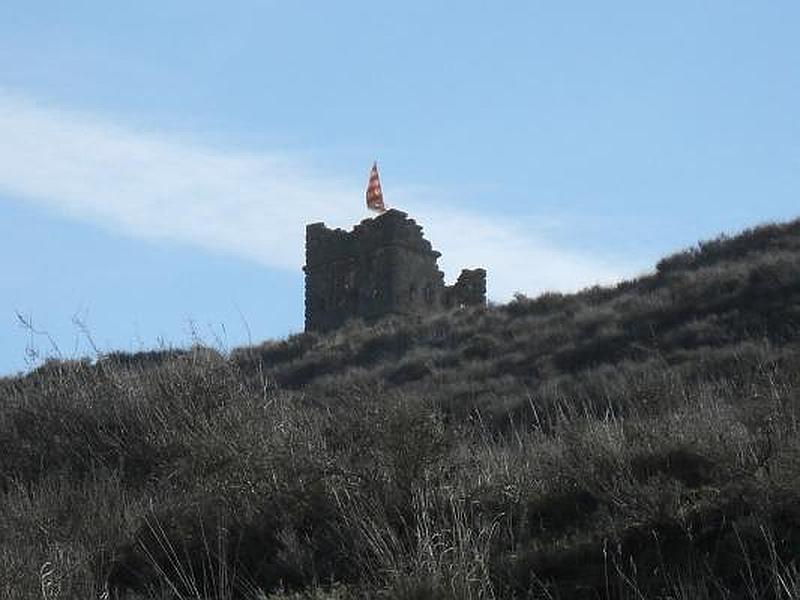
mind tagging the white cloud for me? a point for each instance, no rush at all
(250, 205)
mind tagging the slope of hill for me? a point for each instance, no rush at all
(627, 442)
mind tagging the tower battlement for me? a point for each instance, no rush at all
(383, 266)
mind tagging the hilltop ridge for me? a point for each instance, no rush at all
(706, 303)
(633, 441)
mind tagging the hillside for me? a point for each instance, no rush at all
(639, 441)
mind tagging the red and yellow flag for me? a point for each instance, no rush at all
(374, 191)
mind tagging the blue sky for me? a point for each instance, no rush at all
(158, 160)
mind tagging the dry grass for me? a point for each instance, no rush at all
(635, 442)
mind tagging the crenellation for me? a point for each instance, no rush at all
(325, 245)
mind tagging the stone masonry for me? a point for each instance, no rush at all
(383, 266)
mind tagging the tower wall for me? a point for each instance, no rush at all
(383, 266)
(469, 289)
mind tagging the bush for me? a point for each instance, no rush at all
(633, 441)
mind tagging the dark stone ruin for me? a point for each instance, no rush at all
(384, 266)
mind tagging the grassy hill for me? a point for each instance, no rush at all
(639, 441)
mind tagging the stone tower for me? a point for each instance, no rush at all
(383, 266)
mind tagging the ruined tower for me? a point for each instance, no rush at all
(383, 266)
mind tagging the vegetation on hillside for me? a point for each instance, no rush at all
(639, 441)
